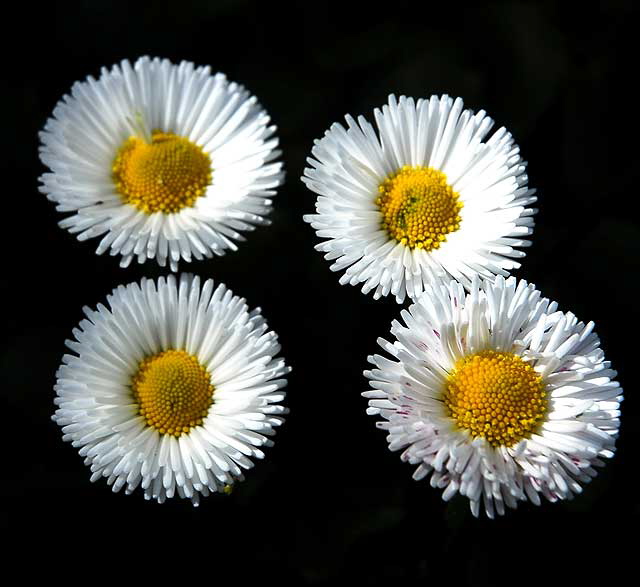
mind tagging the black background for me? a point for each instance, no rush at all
(330, 501)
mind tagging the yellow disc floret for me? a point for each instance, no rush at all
(497, 396)
(173, 391)
(419, 208)
(164, 175)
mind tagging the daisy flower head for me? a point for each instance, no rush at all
(162, 161)
(424, 197)
(175, 387)
(496, 394)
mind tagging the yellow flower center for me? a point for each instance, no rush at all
(165, 175)
(173, 391)
(497, 396)
(419, 208)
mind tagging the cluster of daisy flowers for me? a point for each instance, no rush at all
(486, 387)
(176, 387)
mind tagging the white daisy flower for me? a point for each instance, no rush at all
(166, 161)
(174, 388)
(424, 198)
(496, 394)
